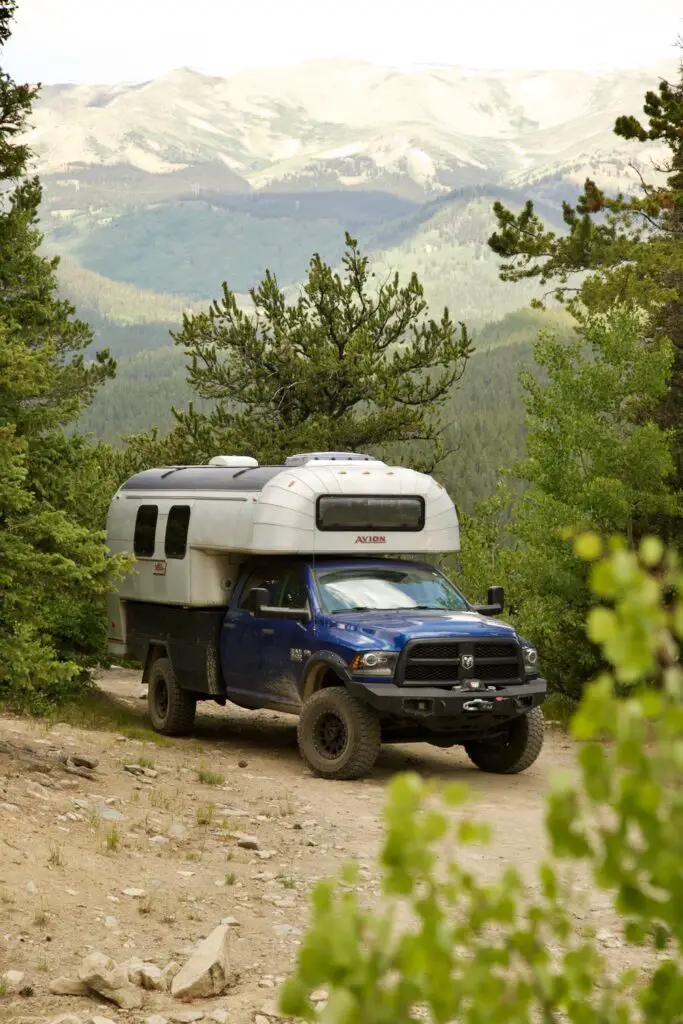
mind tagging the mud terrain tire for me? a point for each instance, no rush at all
(339, 737)
(171, 709)
(517, 752)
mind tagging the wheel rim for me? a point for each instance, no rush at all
(160, 698)
(330, 735)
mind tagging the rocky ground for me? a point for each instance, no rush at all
(122, 852)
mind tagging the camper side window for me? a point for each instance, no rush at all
(176, 531)
(145, 531)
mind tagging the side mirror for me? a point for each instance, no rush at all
(257, 598)
(294, 614)
(495, 598)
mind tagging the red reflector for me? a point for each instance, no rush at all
(501, 698)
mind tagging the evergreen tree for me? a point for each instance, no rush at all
(53, 565)
(347, 366)
(629, 250)
(597, 461)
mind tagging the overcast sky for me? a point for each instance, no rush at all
(133, 40)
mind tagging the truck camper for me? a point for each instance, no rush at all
(300, 588)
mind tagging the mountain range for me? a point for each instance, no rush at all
(174, 185)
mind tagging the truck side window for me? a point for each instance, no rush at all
(292, 591)
(258, 579)
(145, 531)
(176, 531)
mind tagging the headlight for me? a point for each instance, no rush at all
(530, 660)
(374, 663)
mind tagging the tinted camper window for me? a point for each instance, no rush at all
(176, 531)
(348, 512)
(145, 530)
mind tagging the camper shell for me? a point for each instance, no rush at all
(202, 538)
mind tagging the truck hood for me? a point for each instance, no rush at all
(394, 629)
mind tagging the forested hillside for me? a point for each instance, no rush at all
(484, 417)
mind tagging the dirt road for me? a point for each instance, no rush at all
(71, 847)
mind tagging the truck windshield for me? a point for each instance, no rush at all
(387, 589)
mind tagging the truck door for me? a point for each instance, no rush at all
(257, 650)
(286, 644)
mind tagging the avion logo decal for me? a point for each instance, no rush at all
(370, 538)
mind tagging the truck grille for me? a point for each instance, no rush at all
(453, 662)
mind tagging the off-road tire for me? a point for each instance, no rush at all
(332, 718)
(171, 709)
(523, 746)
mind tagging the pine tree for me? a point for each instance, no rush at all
(346, 366)
(53, 565)
(630, 249)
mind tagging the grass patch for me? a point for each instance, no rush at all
(100, 712)
(56, 857)
(559, 709)
(113, 840)
(145, 762)
(230, 878)
(205, 814)
(209, 778)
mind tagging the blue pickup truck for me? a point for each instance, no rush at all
(293, 588)
(371, 651)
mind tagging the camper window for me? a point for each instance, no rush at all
(177, 526)
(358, 512)
(145, 531)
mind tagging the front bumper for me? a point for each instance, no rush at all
(439, 709)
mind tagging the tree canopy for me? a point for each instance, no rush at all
(620, 249)
(349, 364)
(53, 564)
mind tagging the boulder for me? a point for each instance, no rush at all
(104, 976)
(64, 986)
(12, 981)
(207, 972)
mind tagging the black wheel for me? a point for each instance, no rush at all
(171, 709)
(513, 752)
(339, 737)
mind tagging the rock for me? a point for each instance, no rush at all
(260, 1019)
(219, 1017)
(84, 761)
(32, 887)
(101, 1020)
(150, 773)
(185, 1016)
(135, 894)
(246, 842)
(65, 986)
(270, 1009)
(160, 840)
(242, 764)
(35, 789)
(134, 769)
(12, 981)
(156, 1019)
(206, 973)
(152, 978)
(66, 1018)
(265, 854)
(104, 976)
(232, 922)
(169, 972)
(108, 813)
(177, 831)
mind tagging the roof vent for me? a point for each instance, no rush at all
(301, 460)
(234, 462)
